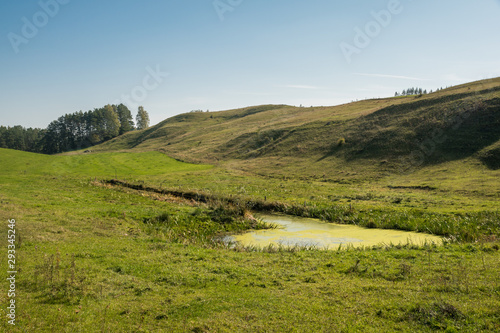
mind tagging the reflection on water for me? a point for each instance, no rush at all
(301, 231)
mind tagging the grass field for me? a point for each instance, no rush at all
(96, 258)
(141, 254)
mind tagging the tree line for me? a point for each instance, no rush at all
(411, 91)
(20, 138)
(74, 131)
(415, 91)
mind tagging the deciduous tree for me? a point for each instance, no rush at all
(142, 118)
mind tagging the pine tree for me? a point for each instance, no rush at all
(3, 132)
(51, 140)
(125, 116)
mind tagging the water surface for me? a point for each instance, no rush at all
(302, 231)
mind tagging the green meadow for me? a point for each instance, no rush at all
(93, 257)
(127, 237)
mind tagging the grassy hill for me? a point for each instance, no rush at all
(419, 151)
(398, 134)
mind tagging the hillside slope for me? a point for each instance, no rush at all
(400, 134)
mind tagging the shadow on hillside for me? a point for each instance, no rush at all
(428, 132)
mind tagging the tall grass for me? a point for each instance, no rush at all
(228, 214)
(204, 225)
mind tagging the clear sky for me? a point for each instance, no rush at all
(174, 56)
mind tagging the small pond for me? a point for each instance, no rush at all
(300, 231)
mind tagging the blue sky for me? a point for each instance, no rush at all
(180, 55)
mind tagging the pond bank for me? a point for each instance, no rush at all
(461, 227)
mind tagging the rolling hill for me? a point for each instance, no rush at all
(400, 134)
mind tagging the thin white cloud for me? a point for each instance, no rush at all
(300, 86)
(249, 93)
(400, 77)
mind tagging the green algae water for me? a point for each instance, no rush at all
(300, 231)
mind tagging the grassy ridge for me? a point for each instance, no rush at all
(448, 125)
(448, 141)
